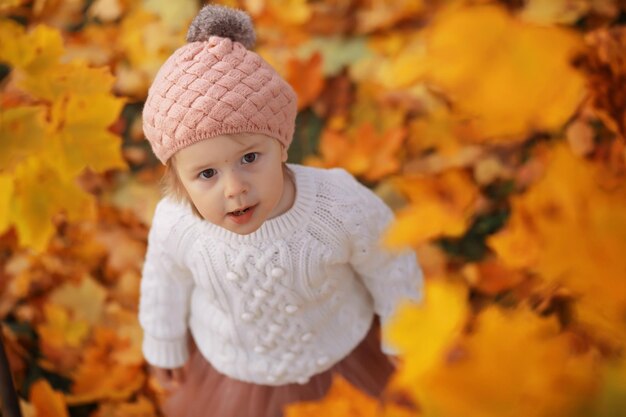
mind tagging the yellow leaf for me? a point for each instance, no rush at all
(405, 67)
(81, 96)
(85, 300)
(568, 201)
(59, 331)
(514, 365)
(293, 12)
(147, 42)
(342, 400)
(22, 130)
(82, 138)
(176, 15)
(46, 401)
(39, 195)
(437, 131)
(476, 53)
(367, 109)
(554, 11)
(6, 194)
(422, 334)
(32, 52)
(440, 206)
(82, 109)
(517, 244)
(421, 222)
(612, 397)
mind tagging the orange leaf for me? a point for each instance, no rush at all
(59, 330)
(100, 376)
(342, 400)
(142, 407)
(374, 15)
(363, 152)
(306, 78)
(491, 276)
(47, 402)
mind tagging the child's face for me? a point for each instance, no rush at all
(226, 174)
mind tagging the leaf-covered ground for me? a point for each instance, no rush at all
(495, 129)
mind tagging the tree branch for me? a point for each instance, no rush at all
(8, 398)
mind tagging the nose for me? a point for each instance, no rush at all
(234, 184)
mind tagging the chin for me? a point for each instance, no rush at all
(244, 229)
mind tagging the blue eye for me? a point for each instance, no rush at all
(249, 157)
(207, 173)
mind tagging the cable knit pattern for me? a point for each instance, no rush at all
(206, 89)
(283, 303)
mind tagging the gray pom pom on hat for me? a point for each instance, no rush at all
(225, 22)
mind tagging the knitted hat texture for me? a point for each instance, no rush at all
(214, 85)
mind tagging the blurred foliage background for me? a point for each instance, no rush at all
(495, 129)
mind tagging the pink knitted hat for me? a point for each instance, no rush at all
(215, 85)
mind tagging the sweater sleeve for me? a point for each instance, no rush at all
(166, 287)
(390, 277)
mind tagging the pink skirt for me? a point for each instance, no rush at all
(206, 392)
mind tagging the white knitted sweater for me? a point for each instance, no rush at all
(283, 303)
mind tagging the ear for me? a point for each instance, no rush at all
(284, 153)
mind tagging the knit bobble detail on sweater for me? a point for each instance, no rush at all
(224, 22)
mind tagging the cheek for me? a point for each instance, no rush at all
(271, 185)
(195, 193)
(279, 187)
(209, 209)
(203, 198)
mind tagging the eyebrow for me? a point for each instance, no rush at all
(208, 165)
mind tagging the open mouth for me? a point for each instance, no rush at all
(240, 212)
(242, 216)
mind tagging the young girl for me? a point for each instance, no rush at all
(261, 278)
